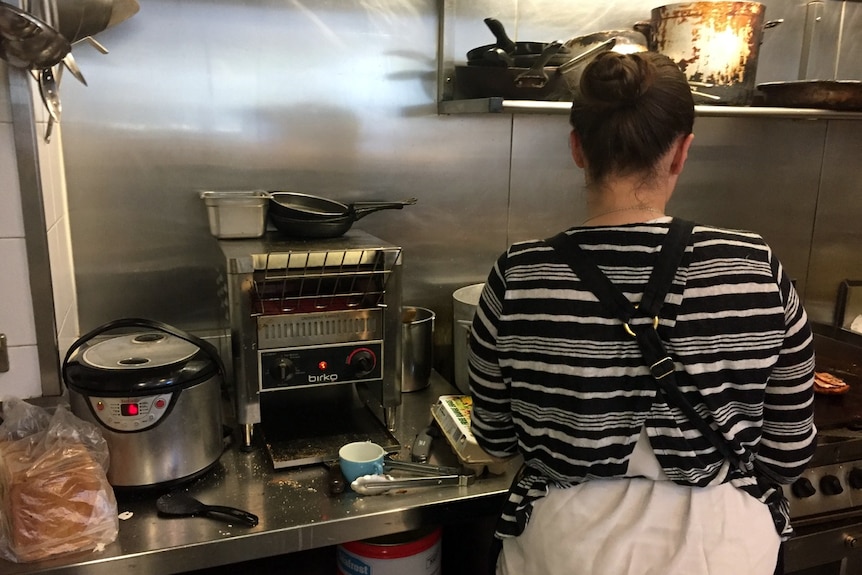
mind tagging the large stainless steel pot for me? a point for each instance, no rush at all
(716, 44)
(155, 393)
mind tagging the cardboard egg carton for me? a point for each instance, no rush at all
(452, 414)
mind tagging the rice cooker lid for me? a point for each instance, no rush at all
(138, 363)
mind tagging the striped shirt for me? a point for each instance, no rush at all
(555, 377)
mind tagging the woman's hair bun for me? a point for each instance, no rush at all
(614, 79)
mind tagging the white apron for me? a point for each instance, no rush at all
(644, 526)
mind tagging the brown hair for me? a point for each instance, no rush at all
(630, 110)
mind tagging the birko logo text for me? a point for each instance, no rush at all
(325, 378)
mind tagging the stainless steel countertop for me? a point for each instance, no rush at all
(295, 509)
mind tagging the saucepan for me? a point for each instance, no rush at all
(307, 216)
(716, 44)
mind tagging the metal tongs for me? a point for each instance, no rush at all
(428, 475)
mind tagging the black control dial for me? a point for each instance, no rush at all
(282, 369)
(803, 488)
(855, 478)
(363, 361)
(831, 485)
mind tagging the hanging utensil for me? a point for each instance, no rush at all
(72, 66)
(28, 42)
(50, 93)
(181, 505)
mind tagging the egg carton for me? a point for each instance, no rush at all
(452, 414)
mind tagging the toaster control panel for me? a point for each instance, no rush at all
(320, 365)
(126, 414)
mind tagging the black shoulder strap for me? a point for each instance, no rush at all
(670, 256)
(660, 363)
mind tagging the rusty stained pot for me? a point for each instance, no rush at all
(716, 44)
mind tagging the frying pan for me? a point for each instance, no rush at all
(306, 216)
(507, 52)
(844, 95)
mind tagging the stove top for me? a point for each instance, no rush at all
(832, 484)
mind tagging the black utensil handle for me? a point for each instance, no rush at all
(337, 482)
(221, 511)
(499, 31)
(362, 209)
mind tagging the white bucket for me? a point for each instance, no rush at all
(464, 304)
(409, 553)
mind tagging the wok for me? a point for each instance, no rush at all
(844, 95)
(306, 216)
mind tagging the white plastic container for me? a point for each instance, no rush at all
(236, 214)
(408, 553)
(465, 301)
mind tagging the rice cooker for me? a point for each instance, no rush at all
(155, 393)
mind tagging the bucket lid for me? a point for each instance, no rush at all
(469, 294)
(397, 545)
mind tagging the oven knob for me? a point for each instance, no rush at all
(831, 485)
(363, 361)
(855, 478)
(803, 488)
(282, 370)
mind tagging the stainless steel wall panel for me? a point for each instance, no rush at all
(547, 188)
(837, 242)
(339, 99)
(756, 174)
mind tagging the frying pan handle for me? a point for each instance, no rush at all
(362, 209)
(604, 46)
(499, 31)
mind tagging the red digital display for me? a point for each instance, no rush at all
(129, 409)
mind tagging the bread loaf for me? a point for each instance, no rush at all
(57, 501)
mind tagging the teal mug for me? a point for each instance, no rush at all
(360, 458)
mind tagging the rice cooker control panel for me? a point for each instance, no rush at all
(130, 413)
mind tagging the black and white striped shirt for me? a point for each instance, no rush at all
(556, 378)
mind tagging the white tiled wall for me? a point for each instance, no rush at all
(16, 311)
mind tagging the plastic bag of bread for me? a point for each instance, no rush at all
(54, 494)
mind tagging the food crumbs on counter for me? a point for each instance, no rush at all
(125, 515)
(99, 548)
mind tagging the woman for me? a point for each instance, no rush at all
(617, 480)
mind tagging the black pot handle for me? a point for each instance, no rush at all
(204, 345)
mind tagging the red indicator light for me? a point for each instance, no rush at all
(322, 366)
(129, 409)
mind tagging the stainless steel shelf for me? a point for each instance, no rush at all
(503, 106)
